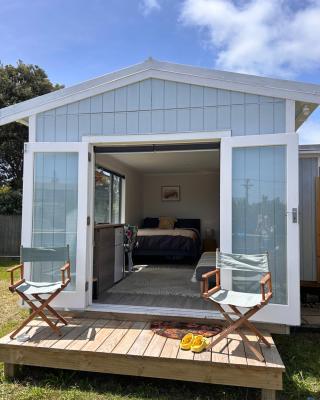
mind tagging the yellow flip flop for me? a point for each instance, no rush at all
(186, 341)
(199, 344)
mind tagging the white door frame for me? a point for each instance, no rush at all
(274, 313)
(75, 299)
(118, 140)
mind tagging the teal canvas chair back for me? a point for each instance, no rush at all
(254, 263)
(43, 254)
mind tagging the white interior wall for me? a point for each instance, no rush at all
(199, 198)
(133, 187)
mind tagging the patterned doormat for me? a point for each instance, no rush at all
(176, 330)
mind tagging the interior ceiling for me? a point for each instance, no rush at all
(171, 162)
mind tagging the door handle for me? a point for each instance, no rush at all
(294, 214)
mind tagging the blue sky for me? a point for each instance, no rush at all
(75, 40)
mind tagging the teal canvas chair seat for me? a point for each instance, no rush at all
(41, 293)
(256, 265)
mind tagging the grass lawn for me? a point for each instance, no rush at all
(300, 353)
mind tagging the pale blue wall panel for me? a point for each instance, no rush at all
(251, 98)
(170, 120)
(108, 101)
(210, 118)
(133, 122)
(237, 120)
(210, 96)
(175, 107)
(108, 123)
(196, 119)
(121, 99)
(96, 124)
(40, 128)
(170, 94)
(73, 108)
(96, 104)
(145, 95)
(183, 95)
(144, 121)
(223, 117)
(157, 121)
(120, 123)
(157, 93)
(61, 128)
(63, 110)
(266, 118)
(224, 97)
(133, 97)
(196, 96)
(49, 128)
(183, 120)
(84, 125)
(72, 128)
(279, 116)
(252, 119)
(84, 106)
(237, 98)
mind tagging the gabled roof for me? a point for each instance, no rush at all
(298, 91)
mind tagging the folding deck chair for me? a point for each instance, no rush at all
(257, 265)
(33, 292)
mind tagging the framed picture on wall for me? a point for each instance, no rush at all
(170, 193)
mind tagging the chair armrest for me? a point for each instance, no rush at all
(266, 280)
(64, 269)
(205, 291)
(13, 283)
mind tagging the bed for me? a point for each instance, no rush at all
(181, 242)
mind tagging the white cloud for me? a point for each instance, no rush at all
(309, 132)
(264, 37)
(147, 6)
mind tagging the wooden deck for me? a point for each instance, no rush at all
(131, 348)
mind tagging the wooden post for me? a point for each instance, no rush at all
(10, 371)
(268, 394)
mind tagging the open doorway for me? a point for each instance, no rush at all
(171, 195)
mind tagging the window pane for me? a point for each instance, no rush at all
(102, 196)
(55, 209)
(259, 213)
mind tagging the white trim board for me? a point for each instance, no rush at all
(167, 138)
(292, 90)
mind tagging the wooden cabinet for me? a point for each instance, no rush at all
(108, 258)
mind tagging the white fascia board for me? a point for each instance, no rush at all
(161, 70)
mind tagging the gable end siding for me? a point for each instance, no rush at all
(159, 106)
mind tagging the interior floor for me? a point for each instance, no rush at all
(159, 285)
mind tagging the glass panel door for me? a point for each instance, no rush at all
(55, 209)
(259, 204)
(259, 191)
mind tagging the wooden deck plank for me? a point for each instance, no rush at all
(6, 339)
(219, 352)
(101, 335)
(87, 335)
(73, 334)
(47, 338)
(114, 338)
(129, 338)
(251, 357)
(170, 348)
(155, 346)
(236, 350)
(272, 356)
(139, 346)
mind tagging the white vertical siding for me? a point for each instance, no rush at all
(160, 106)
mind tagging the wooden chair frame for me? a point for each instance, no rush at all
(241, 318)
(44, 303)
